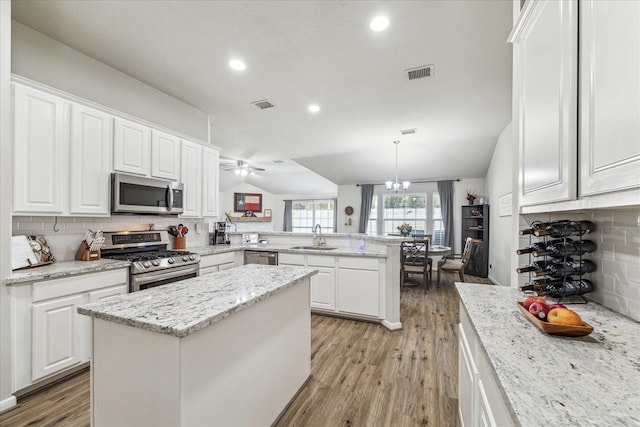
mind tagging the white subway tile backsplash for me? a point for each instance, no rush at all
(614, 302)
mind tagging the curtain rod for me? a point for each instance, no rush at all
(419, 182)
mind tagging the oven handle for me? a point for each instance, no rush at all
(161, 275)
(169, 197)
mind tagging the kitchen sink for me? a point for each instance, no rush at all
(320, 248)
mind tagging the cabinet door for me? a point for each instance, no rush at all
(56, 335)
(548, 107)
(165, 156)
(358, 292)
(40, 151)
(323, 287)
(192, 178)
(131, 147)
(467, 374)
(90, 161)
(210, 185)
(610, 96)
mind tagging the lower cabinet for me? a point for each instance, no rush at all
(50, 336)
(343, 285)
(480, 401)
(217, 262)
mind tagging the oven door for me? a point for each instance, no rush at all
(143, 281)
(135, 194)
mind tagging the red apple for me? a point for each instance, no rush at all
(564, 316)
(530, 300)
(539, 309)
(552, 306)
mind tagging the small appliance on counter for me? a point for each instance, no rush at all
(220, 236)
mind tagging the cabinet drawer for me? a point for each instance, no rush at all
(358, 263)
(54, 288)
(217, 259)
(320, 261)
(290, 259)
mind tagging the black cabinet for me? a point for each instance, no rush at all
(475, 224)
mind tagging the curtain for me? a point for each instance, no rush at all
(287, 223)
(366, 195)
(445, 189)
(335, 215)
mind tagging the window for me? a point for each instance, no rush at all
(372, 225)
(438, 225)
(307, 213)
(406, 208)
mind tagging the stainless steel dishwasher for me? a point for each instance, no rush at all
(261, 257)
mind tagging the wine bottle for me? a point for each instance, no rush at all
(562, 248)
(567, 288)
(536, 225)
(566, 228)
(559, 269)
(534, 266)
(541, 285)
(536, 246)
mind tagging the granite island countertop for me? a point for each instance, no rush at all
(185, 307)
(551, 380)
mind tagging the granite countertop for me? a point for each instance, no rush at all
(552, 380)
(183, 308)
(286, 248)
(62, 269)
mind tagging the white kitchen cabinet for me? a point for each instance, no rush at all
(200, 179)
(480, 401)
(217, 262)
(610, 96)
(40, 151)
(57, 331)
(323, 284)
(547, 115)
(358, 287)
(90, 161)
(131, 147)
(165, 155)
(50, 337)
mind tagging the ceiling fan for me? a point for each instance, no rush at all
(241, 168)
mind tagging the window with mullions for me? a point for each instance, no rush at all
(372, 224)
(438, 225)
(305, 214)
(405, 209)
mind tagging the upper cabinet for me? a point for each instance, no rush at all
(200, 179)
(40, 147)
(210, 184)
(609, 96)
(165, 156)
(547, 42)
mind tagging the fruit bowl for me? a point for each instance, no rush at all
(556, 329)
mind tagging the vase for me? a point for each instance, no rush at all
(470, 202)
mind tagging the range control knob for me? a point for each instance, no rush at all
(146, 264)
(191, 257)
(155, 262)
(171, 260)
(185, 258)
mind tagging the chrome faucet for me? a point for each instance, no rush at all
(318, 236)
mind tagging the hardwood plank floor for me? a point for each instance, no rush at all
(363, 374)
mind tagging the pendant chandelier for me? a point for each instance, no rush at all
(396, 186)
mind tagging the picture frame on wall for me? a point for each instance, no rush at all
(243, 202)
(267, 213)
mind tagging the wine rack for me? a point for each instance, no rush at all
(559, 290)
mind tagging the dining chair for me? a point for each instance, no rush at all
(414, 259)
(456, 262)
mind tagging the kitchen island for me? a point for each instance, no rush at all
(229, 348)
(512, 373)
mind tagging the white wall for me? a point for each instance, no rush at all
(499, 182)
(40, 58)
(6, 183)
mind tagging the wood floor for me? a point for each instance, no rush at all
(363, 374)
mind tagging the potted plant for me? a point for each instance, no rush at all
(471, 196)
(405, 229)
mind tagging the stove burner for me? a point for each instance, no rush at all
(150, 255)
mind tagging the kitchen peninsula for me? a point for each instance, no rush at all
(229, 348)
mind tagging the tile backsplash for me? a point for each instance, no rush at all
(71, 230)
(617, 234)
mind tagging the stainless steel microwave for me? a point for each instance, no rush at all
(140, 195)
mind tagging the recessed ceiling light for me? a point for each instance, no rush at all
(237, 64)
(314, 108)
(379, 23)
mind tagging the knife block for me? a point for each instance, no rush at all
(180, 242)
(84, 254)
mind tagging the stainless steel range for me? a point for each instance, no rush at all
(152, 264)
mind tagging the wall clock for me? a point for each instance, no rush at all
(348, 210)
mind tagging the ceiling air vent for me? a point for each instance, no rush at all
(420, 72)
(263, 104)
(408, 131)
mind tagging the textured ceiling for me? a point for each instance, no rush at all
(298, 52)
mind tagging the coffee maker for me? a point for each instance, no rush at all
(220, 234)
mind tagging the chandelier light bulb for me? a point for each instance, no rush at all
(395, 185)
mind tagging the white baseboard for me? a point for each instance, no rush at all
(392, 326)
(8, 403)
